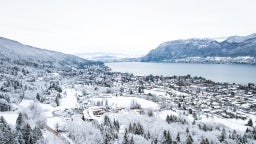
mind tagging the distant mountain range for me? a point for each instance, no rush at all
(107, 57)
(235, 49)
(15, 52)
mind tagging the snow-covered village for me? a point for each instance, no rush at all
(92, 104)
(127, 72)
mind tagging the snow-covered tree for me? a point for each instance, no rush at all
(20, 122)
(6, 135)
(250, 123)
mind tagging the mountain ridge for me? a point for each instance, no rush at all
(171, 51)
(16, 51)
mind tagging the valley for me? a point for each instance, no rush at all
(44, 101)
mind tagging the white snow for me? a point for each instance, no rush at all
(126, 101)
(69, 101)
(158, 92)
(53, 121)
(25, 103)
(163, 114)
(236, 124)
(10, 117)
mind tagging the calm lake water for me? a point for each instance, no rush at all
(232, 73)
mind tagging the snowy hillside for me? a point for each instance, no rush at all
(16, 51)
(47, 101)
(229, 50)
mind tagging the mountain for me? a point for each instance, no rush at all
(18, 53)
(178, 50)
(107, 57)
(26, 71)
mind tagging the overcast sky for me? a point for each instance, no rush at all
(121, 26)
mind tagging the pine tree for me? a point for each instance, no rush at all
(106, 121)
(147, 136)
(223, 135)
(178, 137)
(139, 129)
(167, 137)
(250, 123)
(189, 140)
(36, 134)
(27, 136)
(116, 124)
(6, 135)
(19, 122)
(132, 141)
(205, 141)
(38, 97)
(130, 128)
(107, 139)
(19, 137)
(187, 131)
(125, 139)
(106, 102)
(164, 136)
(57, 101)
(168, 119)
(204, 127)
(254, 133)
(234, 135)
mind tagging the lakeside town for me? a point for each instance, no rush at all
(196, 95)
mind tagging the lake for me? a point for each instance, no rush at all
(231, 73)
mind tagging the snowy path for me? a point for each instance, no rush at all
(64, 140)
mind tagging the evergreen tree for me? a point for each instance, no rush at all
(125, 139)
(139, 129)
(222, 136)
(38, 97)
(234, 135)
(83, 118)
(254, 133)
(168, 119)
(178, 137)
(189, 140)
(6, 135)
(130, 129)
(107, 139)
(116, 125)
(164, 136)
(147, 136)
(250, 123)
(27, 136)
(132, 141)
(205, 141)
(57, 101)
(204, 127)
(36, 134)
(167, 137)
(106, 102)
(19, 122)
(106, 121)
(187, 131)
(19, 137)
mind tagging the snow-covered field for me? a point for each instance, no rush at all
(155, 91)
(69, 100)
(10, 117)
(125, 102)
(236, 124)
(55, 114)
